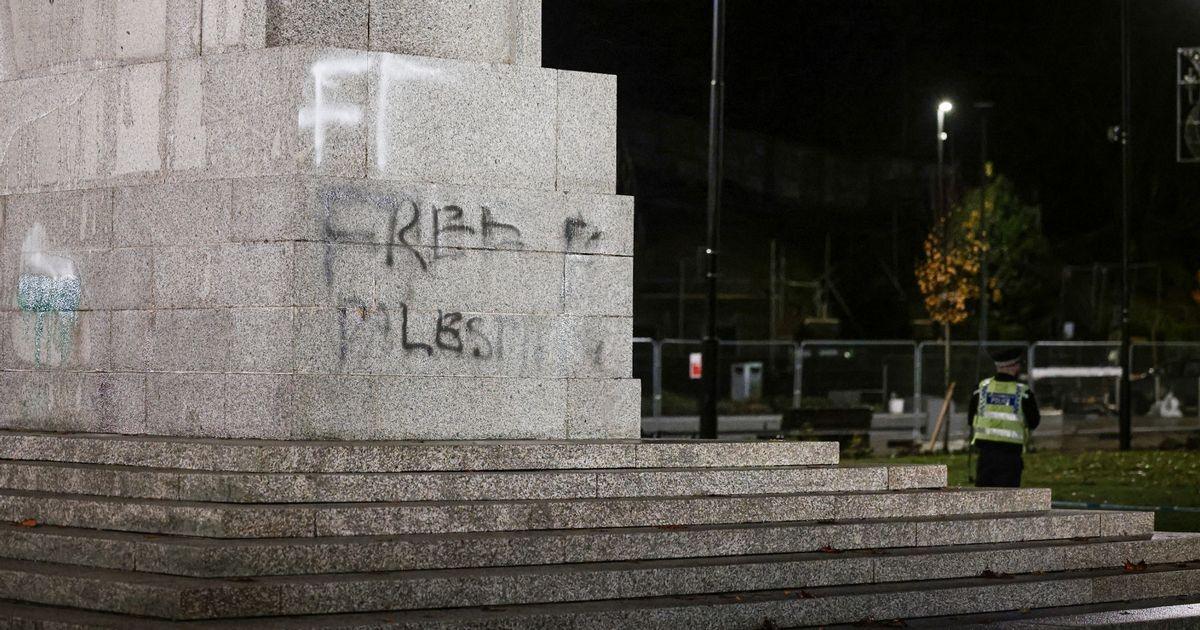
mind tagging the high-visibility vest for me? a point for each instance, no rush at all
(1000, 416)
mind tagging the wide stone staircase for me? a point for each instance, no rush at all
(116, 531)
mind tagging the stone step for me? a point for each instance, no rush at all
(384, 456)
(1181, 612)
(1163, 613)
(190, 598)
(233, 520)
(202, 557)
(185, 485)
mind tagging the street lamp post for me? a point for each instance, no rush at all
(716, 131)
(1124, 420)
(943, 108)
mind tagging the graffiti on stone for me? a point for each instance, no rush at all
(49, 289)
(325, 113)
(453, 229)
(444, 333)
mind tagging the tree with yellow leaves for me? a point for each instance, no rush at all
(989, 226)
(947, 276)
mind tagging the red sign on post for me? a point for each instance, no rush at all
(695, 365)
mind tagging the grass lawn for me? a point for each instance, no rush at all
(1134, 477)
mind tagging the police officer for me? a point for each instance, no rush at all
(1003, 411)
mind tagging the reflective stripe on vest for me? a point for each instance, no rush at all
(1000, 416)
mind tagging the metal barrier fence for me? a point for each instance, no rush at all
(1076, 377)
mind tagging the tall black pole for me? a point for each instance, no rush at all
(1126, 182)
(985, 177)
(716, 139)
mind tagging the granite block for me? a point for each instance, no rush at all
(604, 408)
(1163, 548)
(967, 563)
(489, 31)
(1126, 523)
(455, 409)
(262, 340)
(130, 340)
(598, 285)
(231, 274)
(75, 341)
(738, 481)
(72, 401)
(176, 215)
(233, 25)
(196, 390)
(185, 404)
(21, 543)
(317, 22)
(292, 110)
(341, 456)
(258, 406)
(375, 339)
(435, 216)
(255, 119)
(152, 517)
(56, 129)
(599, 224)
(186, 137)
(398, 407)
(193, 340)
(587, 132)
(666, 454)
(466, 281)
(494, 124)
(1055, 525)
(274, 208)
(117, 279)
(905, 477)
(58, 588)
(596, 347)
(1115, 588)
(106, 279)
(136, 148)
(49, 38)
(76, 219)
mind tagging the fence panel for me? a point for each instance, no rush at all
(970, 362)
(1077, 378)
(1166, 379)
(856, 372)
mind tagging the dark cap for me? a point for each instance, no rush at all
(1008, 357)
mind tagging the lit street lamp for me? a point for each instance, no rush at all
(943, 108)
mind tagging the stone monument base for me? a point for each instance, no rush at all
(113, 531)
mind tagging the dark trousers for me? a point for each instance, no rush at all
(1000, 465)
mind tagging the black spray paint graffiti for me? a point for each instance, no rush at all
(576, 229)
(404, 240)
(360, 323)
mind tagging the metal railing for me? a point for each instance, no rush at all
(1047, 359)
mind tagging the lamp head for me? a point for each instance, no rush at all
(945, 107)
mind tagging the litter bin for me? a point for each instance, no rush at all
(745, 380)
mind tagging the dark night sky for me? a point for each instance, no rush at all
(862, 77)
